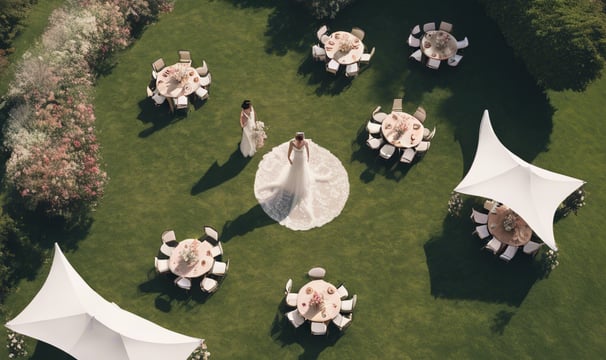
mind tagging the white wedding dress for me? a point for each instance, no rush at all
(305, 194)
(248, 146)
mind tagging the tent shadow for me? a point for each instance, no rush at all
(460, 269)
(218, 174)
(44, 351)
(254, 218)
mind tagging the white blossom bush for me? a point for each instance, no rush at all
(326, 9)
(455, 204)
(15, 345)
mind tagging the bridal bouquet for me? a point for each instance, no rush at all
(259, 133)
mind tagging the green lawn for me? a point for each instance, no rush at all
(425, 290)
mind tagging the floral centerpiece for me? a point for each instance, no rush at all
(441, 40)
(400, 129)
(190, 253)
(181, 73)
(509, 223)
(259, 134)
(316, 299)
(346, 45)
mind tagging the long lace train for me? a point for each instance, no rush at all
(304, 195)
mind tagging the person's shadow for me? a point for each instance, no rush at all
(218, 174)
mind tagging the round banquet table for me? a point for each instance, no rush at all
(438, 44)
(169, 86)
(332, 301)
(205, 261)
(519, 236)
(344, 47)
(402, 130)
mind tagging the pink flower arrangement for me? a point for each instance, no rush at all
(316, 299)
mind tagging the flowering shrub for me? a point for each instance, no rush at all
(455, 204)
(549, 261)
(15, 345)
(573, 203)
(55, 164)
(201, 353)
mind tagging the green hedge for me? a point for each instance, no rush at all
(562, 42)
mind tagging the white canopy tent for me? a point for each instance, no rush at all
(70, 315)
(532, 192)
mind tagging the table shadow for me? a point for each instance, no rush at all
(158, 116)
(460, 269)
(45, 351)
(218, 174)
(254, 218)
(284, 333)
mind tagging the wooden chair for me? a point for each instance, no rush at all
(433, 63)
(445, 26)
(420, 114)
(185, 57)
(429, 26)
(397, 105)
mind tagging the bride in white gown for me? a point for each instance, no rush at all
(248, 146)
(309, 192)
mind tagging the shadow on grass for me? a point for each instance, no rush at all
(500, 321)
(284, 333)
(44, 351)
(159, 116)
(254, 218)
(460, 269)
(218, 174)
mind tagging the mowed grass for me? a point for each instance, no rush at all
(425, 290)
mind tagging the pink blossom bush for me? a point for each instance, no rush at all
(55, 164)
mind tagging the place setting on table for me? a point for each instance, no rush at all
(319, 303)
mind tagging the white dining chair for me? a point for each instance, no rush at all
(531, 248)
(347, 306)
(181, 102)
(324, 39)
(420, 114)
(417, 55)
(342, 322)
(408, 155)
(416, 30)
(378, 115)
(150, 92)
(161, 265)
(357, 32)
(373, 127)
(454, 60)
(318, 328)
(423, 147)
(413, 41)
(462, 44)
(220, 268)
(509, 253)
(351, 70)
(321, 31)
(158, 65)
(428, 135)
(494, 245)
(387, 151)
(478, 217)
(216, 250)
(316, 273)
(185, 57)
(342, 290)
(211, 233)
(365, 57)
(205, 81)
(445, 26)
(202, 70)
(397, 104)
(318, 53)
(295, 318)
(332, 66)
(289, 297)
(168, 236)
(481, 231)
(158, 99)
(183, 282)
(433, 63)
(202, 93)
(374, 143)
(209, 285)
(166, 249)
(429, 26)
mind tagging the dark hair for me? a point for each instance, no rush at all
(299, 136)
(245, 104)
